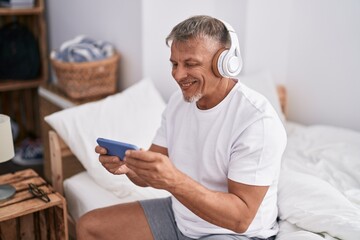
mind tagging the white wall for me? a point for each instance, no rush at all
(313, 47)
(324, 63)
(267, 38)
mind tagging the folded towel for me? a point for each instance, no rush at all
(83, 49)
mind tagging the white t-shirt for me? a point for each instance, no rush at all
(241, 138)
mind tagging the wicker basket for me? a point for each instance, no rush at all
(87, 79)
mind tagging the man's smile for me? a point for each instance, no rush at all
(185, 85)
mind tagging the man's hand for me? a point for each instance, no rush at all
(154, 168)
(111, 163)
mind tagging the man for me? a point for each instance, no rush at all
(218, 152)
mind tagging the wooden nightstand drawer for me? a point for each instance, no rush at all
(25, 216)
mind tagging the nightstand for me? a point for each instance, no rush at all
(25, 216)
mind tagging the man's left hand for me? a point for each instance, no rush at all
(154, 168)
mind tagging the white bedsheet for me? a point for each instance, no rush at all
(330, 153)
(83, 194)
(319, 187)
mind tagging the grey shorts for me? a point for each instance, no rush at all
(160, 217)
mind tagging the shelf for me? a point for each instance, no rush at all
(24, 11)
(37, 9)
(34, 20)
(11, 85)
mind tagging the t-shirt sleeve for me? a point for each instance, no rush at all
(256, 153)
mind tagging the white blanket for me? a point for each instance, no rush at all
(319, 188)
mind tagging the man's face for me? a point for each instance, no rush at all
(191, 68)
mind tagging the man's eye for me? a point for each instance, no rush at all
(191, 64)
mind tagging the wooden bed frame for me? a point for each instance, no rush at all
(64, 164)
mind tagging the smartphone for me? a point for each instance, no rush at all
(115, 148)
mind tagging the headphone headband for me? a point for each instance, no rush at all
(227, 26)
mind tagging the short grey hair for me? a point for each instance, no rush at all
(199, 27)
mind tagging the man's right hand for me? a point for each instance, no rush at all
(111, 163)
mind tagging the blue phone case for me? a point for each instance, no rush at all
(115, 148)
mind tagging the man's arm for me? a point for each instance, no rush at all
(234, 210)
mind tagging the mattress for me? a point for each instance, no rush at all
(83, 194)
(78, 191)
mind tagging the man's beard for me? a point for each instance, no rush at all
(196, 97)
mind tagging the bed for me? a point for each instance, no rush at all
(319, 187)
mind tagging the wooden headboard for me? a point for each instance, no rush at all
(282, 94)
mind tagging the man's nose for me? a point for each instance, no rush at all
(180, 72)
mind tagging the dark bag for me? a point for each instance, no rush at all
(19, 53)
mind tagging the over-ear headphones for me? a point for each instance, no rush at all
(227, 62)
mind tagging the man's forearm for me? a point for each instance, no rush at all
(222, 209)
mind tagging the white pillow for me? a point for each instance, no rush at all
(130, 116)
(314, 205)
(263, 83)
